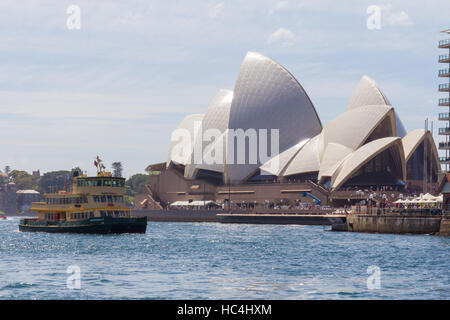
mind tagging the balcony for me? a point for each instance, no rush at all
(444, 43)
(444, 73)
(444, 145)
(444, 131)
(445, 87)
(444, 58)
(444, 116)
(445, 102)
(444, 160)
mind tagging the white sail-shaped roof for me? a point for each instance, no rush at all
(191, 171)
(332, 158)
(267, 96)
(352, 128)
(216, 118)
(180, 150)
(412, 141)
(218, 113)
(368, 92)
(364, 154)
(306, 160)
(276, 165)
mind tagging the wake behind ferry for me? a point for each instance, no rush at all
(95, 205)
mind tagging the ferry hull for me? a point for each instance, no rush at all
(104, 225)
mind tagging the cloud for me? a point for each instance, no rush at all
(283, 36)
(390, 18)
(285, 5)
(216, 10)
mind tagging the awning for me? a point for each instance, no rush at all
(191, 204)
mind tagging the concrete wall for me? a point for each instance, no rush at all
(179, 215)
(445, 227)
(393, 224)
(170, 186)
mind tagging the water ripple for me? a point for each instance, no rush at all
(215, 261)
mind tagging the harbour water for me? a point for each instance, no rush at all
(222, 261)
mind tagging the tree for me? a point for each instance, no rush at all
(117, 169)
(76, 172)
(24, 180)
(56, 181)
(4, 179)
(136, 183)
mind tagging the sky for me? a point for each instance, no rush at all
(120, 84)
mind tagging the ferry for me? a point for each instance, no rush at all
(95, 205)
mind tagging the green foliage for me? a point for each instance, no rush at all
(24, 180)
(135, 184)
(55, 181)
(117, 169)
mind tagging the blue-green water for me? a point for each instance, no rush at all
(216, 261)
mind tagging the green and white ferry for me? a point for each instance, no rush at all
(95, 205)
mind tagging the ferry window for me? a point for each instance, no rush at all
(110, 199)
(107, 183)
(103, 198)
(102, 213)
(121, 199)
(121, 183)
(80, 183)
(91, 214)
(85, 199)
(110, 213)
(115, 183)
(116, 213)
(115, 198)
(96, 199)
(89, 183)
(122, 214)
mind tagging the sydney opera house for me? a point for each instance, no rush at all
(365, 147)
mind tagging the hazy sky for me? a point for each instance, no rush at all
(119, 85)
